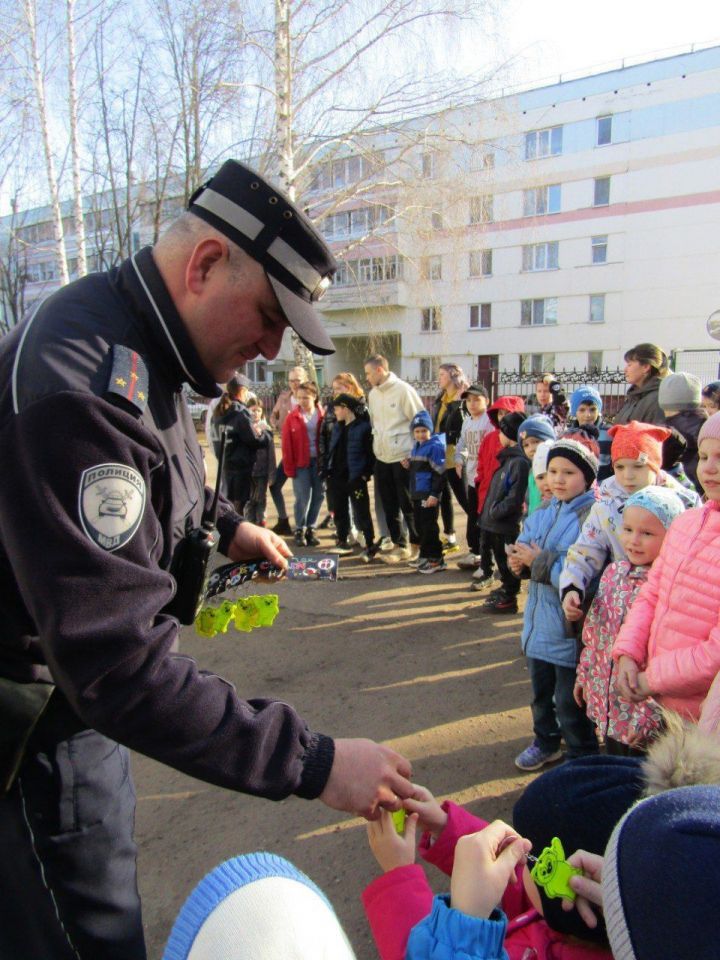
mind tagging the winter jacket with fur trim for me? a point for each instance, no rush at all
(673, 629)
(392, 406)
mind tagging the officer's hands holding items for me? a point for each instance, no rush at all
(107, 474)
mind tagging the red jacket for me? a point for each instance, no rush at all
(397, 900)
(295, 440)
(487, 462)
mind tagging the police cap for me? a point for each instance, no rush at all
(243, 206)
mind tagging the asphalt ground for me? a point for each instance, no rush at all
(385, 652)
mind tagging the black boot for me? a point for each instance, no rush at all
(283, 527)
(310, 539)
(300, 537)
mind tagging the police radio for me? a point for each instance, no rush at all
(191, 566)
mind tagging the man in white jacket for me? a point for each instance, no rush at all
(393, 403)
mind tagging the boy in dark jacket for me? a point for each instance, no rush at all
(427, 478)
(503, 510)
(349, 466)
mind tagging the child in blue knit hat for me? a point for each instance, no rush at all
(586, 410)
(427, 473)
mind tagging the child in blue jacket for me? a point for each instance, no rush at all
(548, 640)
(427, 474)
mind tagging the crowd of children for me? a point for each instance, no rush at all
(621, 632)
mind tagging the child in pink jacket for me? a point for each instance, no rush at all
(625, 726)
(669, 645)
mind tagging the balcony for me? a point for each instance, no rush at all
(354, 296)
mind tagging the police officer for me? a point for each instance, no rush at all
(101, 484)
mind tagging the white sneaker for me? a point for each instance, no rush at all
(386, 545)
(481, 575)
(469, 561)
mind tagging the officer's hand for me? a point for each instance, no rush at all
(366, 776)
(250, 542)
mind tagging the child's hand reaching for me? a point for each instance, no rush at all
(572, 606)
(587, 887)
(483, 868)
(431, 816)
(389, 848)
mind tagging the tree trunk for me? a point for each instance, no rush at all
(80, 243)
(284, 129)
(39, 85)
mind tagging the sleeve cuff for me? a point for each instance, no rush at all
(317, 764)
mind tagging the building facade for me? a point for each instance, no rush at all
(549, 229)
(553, 229)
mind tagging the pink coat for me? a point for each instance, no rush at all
(614, 717)
(397, 900)
(673, 629)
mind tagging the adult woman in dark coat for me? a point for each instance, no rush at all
(448, 414)
(645, 366)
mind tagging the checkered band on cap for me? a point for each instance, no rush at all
(261, 220)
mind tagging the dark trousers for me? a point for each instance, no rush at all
(355, 503)
(496, 543)
(67, 870)
(257, 501)
(472, 529)
(455, 484)
(614, 748)
(426, 524)
(276, 491)
(393, 482)
(555, 713)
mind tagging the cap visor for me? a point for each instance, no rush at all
(303, 318)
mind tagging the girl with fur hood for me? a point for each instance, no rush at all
(669, 646)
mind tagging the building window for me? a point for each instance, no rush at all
(480, 316)
(540, 256)
(597, 308)
(428, 166)
(436, 220)
(481, 209)
(481, 263)
(431, 268)
(599, 249)
(594, 361)
(601, 192)
(538, 313)
(537, 362)
(429, 368)
(368, 270)
(541, 200)
(256, 370)
(604, 131)
(431, 320)
(543, 143)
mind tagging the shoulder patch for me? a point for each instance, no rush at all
(129, 377)
(111, 503)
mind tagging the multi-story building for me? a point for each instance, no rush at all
(550, 229)
(547, 229)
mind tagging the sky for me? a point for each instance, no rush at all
(552, 37)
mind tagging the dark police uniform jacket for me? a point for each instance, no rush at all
(101, 477)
